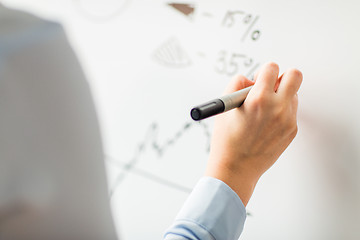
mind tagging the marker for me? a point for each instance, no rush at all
(220, 105)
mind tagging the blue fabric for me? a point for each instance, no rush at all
(213, 211)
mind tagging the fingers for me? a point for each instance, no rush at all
(238, 83)
(267, 80)
(267, 77)
(278, 83)
(290, 83)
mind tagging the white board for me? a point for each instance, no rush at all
(149, 62)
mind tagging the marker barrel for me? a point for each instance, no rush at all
(216, 106)
(235, 99)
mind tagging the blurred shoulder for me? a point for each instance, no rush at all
(19, 28)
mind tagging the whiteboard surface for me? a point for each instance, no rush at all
(148, 63)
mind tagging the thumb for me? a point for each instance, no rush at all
(237, 83)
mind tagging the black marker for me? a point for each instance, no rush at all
(220, 105)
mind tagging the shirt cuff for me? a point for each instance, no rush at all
(212, 211)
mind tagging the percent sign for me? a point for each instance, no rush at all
(248, 19)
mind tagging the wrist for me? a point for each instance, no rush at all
(241, 180)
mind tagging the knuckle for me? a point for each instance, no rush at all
(260, 100)
(272, 65)
(295, 73)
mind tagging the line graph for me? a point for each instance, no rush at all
(145, 174)
(151, 141)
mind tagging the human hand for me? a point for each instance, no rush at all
(248, 140)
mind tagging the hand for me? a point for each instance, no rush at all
(248, 140)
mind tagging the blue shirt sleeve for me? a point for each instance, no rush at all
(212, 211)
